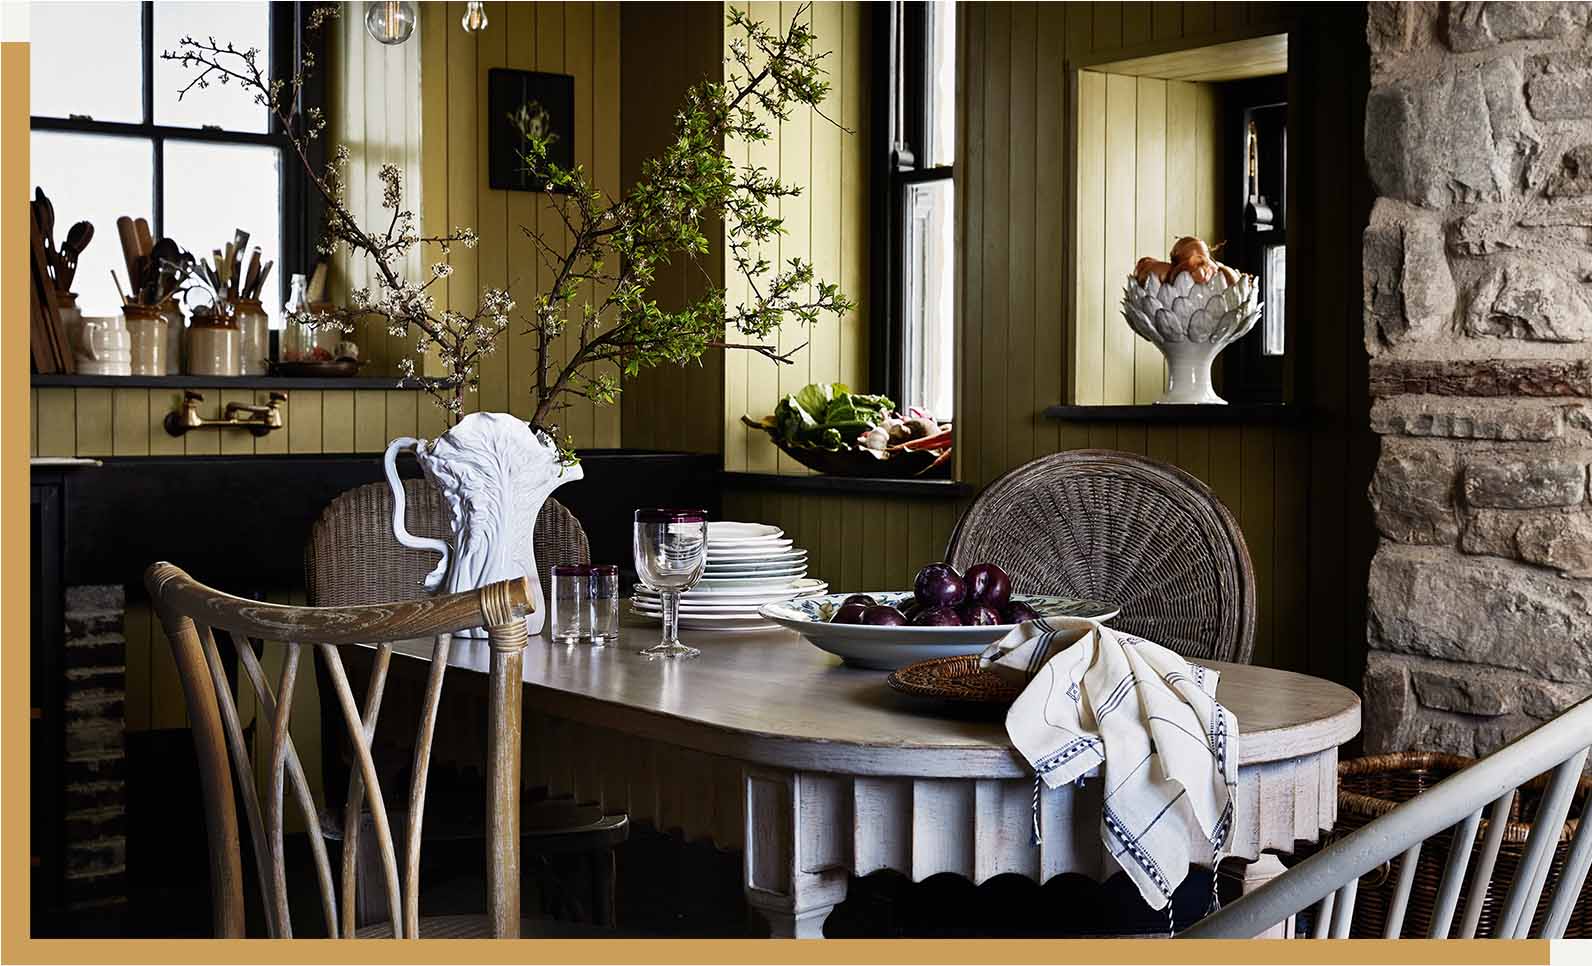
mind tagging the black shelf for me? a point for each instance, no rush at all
(1252, 414)
(224, 382)
(919, 487)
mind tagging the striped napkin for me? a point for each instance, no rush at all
(1148, 720)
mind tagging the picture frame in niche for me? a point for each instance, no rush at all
(519, 101)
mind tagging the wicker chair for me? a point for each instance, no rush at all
(352, 558)
(1125, 529)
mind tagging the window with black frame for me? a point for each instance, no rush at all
(914, 146)
(110, 136)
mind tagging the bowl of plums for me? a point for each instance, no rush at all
(946, 613)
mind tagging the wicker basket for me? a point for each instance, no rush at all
(1371, 787)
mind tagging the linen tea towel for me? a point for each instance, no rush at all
(1148, 720)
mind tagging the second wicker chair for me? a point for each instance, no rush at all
(1125, 529)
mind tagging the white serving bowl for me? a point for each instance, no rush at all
(888, 648)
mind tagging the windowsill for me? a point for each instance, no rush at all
(918, 487)
(1233, 414)
(75, 381)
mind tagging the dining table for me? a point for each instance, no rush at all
(817, 771)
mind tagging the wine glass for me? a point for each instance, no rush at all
(671, 551)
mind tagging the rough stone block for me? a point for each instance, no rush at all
(1492, 532)
(1461, 137)
(1435, 604)
(1473, 26)
(1408, 288)
(1525, 484)
(1397, 28)
(1413, 494)
(1573, 177)
(1562, 541)
(1388, 708)
(1465, 688)
(1467, 419)
(1526, 301)
(1560, 88)
(1481, 377)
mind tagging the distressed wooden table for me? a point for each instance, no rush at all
(817, 771)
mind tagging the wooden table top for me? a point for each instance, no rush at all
(772, 698)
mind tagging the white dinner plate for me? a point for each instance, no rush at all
(761, 545)
(803, 587)
(768, 570)
(772, 553)
(888, 648)
(720, 531)
(749, 583)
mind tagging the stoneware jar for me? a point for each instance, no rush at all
(254, 336)
(175, 330)
(213, 343)
(146, 330)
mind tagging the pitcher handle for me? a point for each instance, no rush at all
(91, 330)
(390, 463)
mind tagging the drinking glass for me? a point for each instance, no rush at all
(671, 550)
(585, 604)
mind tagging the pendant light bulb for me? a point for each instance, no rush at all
(474, 19)
(390, 21)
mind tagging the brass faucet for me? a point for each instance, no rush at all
(258, 420)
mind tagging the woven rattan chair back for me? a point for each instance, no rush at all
(1471, 812)
(200, 622)
(1125, 529)
(353, 558)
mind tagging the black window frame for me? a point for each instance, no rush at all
(302, 206)
(898, 145)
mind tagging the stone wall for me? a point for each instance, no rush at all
(1478, 315)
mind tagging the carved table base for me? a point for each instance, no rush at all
(803, 833)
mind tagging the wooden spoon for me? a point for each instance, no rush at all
(130, 251)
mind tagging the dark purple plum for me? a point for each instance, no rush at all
(849, 614)
(883, 615)
(937, 617)
(1017, 612)
(980, 615)
(988, 584)
(862, 599)
(939, 585)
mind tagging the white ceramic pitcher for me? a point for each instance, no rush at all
(495, 473)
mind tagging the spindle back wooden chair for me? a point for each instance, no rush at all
(192, 614)
(1123, 528)
(1475, 803)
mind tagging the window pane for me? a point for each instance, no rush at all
(940, 98)
(95, 178)
(87, 59)
(212, 189)
(927, 297)
(229, 106)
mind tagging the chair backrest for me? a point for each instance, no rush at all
(1476, 804)
(195, 616)
(353, 558)
(1124, 529)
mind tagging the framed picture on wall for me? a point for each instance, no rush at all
(521, 103)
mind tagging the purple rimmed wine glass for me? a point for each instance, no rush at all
(671, 550)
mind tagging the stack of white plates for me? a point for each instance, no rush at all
(749, 565)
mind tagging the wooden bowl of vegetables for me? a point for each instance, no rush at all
(829, 429)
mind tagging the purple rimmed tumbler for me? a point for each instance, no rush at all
(585, 604)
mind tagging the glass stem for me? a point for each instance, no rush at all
(671, 617)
